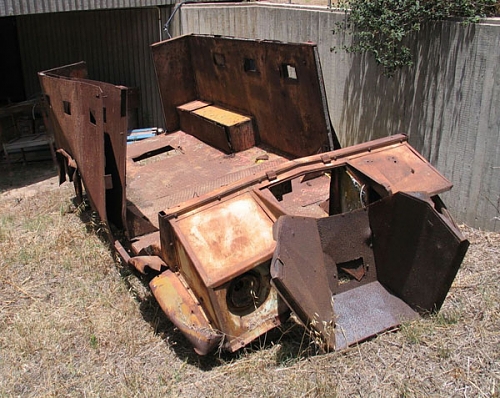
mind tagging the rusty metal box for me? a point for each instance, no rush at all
(221, 128)
(223, 251)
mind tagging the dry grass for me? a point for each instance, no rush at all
(75, 323)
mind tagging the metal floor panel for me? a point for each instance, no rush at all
(366, 311)
(186, 168)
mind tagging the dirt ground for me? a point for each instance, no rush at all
(74, 322)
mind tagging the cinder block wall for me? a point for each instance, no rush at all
(448, 102)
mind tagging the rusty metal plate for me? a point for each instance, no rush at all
(89, 120)
(226, 239)
(184, 311)
(366, 311)
(401, 168)
(278, 84)
(188, 169)
(398, 258)
(75, 110)
(299, 274)
(417, 250)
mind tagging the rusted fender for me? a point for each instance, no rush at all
(184, 311)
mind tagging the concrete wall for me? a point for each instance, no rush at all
(448, 102)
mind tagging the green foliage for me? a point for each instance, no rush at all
(94, 342)
(382, 27)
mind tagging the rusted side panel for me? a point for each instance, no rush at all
(90, 120)
(77, 70)
(418, 251)
(115, 125)
(115, 146)
(276, 83)
(76, 116)
(305, 288)
(174, 73)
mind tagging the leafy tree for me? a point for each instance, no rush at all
(380, 27)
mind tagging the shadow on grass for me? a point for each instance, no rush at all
(291, 339)
(21, 175)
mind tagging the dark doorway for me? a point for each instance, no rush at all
(11, 75)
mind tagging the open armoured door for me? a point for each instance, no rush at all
(353, 275)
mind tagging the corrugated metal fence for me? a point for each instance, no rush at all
(114, 43)
(25, 7)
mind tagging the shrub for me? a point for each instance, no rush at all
(381, 27)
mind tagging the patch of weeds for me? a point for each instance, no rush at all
(287, 356)
(25, 256)
(6, 223)
(447, 318)
(413, 331)
(94, 341)
(37, 224)
(443, 352)
(179, 373)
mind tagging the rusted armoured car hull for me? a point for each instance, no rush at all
(248, 208)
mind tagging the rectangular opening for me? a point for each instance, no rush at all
(219, 59)
(123, 104)
(104, 115)
(249, 65)
(281, 189)
(153, 153)
(67, 107)
(92, 117)
(288, 71)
